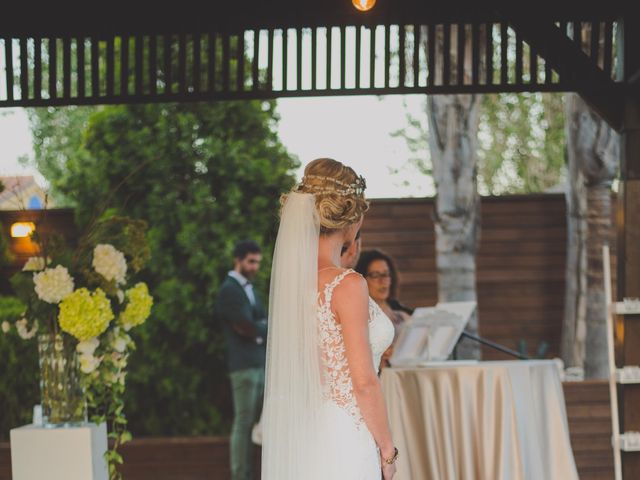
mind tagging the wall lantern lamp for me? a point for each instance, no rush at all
(22, 229)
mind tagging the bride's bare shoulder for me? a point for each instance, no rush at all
(351, 300)
(351, 283)
(344, 285)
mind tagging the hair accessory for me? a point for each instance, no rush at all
(341, 188)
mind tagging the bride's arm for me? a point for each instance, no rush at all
(351, 304)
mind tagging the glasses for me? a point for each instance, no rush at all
(379, 275)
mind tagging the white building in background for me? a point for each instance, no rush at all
(22, 192)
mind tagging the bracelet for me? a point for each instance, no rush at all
(391, 461)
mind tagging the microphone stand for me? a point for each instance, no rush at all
(488, 343)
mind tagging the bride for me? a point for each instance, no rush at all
(324, 415)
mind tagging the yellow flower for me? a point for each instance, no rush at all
(84, 314)
(138, 308)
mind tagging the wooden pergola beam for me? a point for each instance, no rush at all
(574, 66)
(117, 18)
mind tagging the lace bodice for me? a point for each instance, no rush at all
(337, 378)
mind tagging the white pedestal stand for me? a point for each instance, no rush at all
(74, 453)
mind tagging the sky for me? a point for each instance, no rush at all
(357, 130)
(15, 141)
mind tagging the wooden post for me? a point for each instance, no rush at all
(629, 273)
(628, 226)
(613, 391)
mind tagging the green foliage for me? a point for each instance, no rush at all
(57, 138)
(202, 176)
(521, 143)
(105, 393)
(6, 257)
(18, 371)
(125, 234)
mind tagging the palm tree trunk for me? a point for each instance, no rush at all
(453, 128)
(596, 363)
(574, 329)
(593, 149)
(453, 145)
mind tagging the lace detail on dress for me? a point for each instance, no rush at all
(337, 378)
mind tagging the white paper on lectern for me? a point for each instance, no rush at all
(431, 333)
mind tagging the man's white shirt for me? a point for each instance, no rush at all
(248, 288)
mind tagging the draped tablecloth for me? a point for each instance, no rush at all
(479, 421)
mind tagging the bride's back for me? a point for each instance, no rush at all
(337, 380)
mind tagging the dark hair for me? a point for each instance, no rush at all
(244, 248)
(362, 268)
(369, 256)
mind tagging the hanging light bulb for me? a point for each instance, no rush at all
(364, 5)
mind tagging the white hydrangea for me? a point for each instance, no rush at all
(22, 326)
(35, 264)
(88, 363)
(109, 262)
(6, 326)
(88, 347)
(119, 344)
(53, 284)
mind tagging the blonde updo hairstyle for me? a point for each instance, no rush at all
(339, 192)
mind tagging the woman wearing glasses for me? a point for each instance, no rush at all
(382, 279)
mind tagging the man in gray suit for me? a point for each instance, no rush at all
(244, 322)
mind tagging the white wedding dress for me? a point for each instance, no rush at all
(350, 451)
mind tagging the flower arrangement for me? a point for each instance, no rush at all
(85, 298)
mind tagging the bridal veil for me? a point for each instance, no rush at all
(292, 433)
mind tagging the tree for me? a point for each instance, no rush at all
(453, 122)
(490, 144)
(453, 138)
(203, 176)
(57, 141)
(19, 360)
(593, 153)
(574, 328)
(522, 143)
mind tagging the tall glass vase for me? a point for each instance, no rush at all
(62, 397)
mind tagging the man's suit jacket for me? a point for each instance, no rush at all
(244, 325)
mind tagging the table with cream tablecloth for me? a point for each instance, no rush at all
(479, 421)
